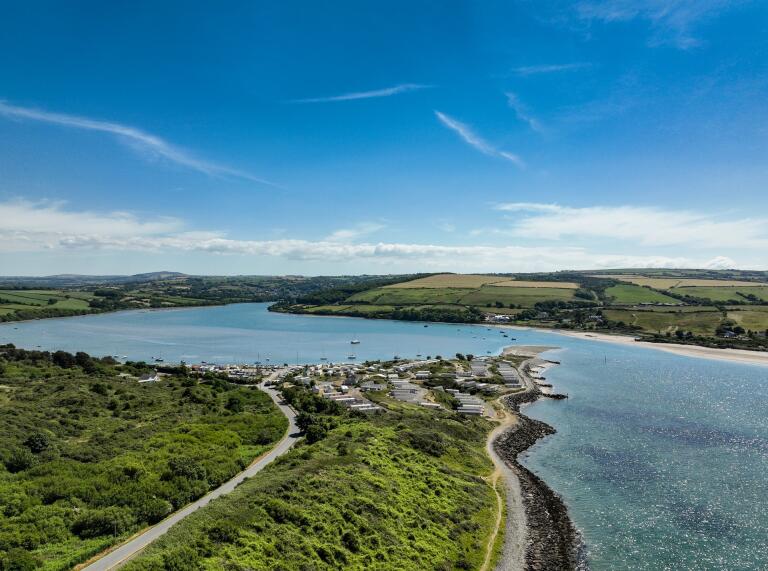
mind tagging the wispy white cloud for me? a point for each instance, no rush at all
(473, 139)
(355, 232)
(522, 112)
(385, 92)
(137, 138)
(549, 68)
(644, 226)
(673, 21)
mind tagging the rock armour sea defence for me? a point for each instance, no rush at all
(553, 543)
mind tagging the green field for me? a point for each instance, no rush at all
(625, 294)
(698, 322)
(343, 309)
(399, 490)
(409, 296)
(525, 296)
(28, 304)
(87, 457)
(754, 319)
(725, 293)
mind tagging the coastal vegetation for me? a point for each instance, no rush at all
(720, 308)
(403, 489)
(24, 298)
(89, 455)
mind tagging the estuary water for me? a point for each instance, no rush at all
(661, 459)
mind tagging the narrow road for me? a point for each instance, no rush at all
(119, 556)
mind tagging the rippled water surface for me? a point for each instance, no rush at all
(662, 460)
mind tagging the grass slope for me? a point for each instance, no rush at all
(401, 490)
(630, 294)
(87, 458)
(726, 293)
(698, 322)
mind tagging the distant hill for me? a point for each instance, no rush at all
(75, 280)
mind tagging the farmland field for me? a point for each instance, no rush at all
(524, 283)
(449, 281)
(409, 296)
(726, 293)
(525, 296)
(627, 294)
(343, 309)
(698, 322)
(670, 283)
(41, 301)
(755, 319)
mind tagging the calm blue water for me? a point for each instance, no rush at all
(245, 332)
(662, 460)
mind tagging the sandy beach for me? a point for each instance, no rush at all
(734, 355)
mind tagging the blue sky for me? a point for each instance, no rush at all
(378, 137)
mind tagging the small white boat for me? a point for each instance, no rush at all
(355, 342)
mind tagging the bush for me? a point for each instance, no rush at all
(182, 559)
(224, 532)
(18, 559)
(106, 521)
(37, 442)
(432, 444)
(19, 459)
(187, 468)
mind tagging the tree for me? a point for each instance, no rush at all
(188, 468)
(18, 559)
(107, 521)
(37, 442)
(315, 432)
(304, 420)
(181, 559)
(234, 404)
(85, 361)
(63, 359)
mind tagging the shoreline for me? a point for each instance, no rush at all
(551, 540)
(744, 356)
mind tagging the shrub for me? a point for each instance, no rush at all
(188, 468)
(37, 442)
(432, 444)
(19, 459)
(106, 521)
(181, 559)
(18, 559)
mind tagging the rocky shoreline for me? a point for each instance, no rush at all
(553, 543)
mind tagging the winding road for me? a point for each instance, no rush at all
(120, 555)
